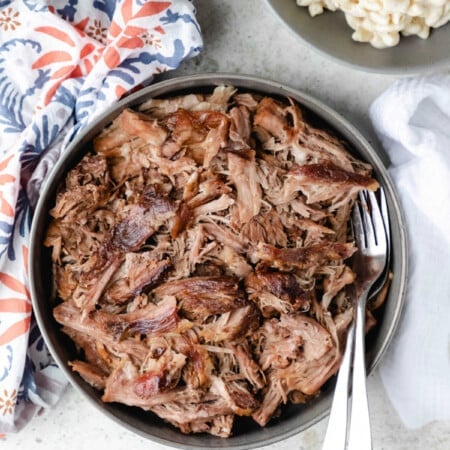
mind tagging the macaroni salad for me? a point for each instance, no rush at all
(380, 22)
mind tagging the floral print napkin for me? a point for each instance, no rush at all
(62, 63)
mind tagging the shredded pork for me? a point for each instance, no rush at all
(200, 257)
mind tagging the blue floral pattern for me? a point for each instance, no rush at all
(62, 63)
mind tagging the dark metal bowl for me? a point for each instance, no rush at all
(247, 434)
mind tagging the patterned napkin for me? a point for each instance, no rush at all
(62, 63)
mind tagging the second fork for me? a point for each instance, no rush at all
(370, 230)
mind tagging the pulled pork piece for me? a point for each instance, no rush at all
(299, 355)
(87, 187)
(126, 126)
(226, 237)
(265, 227)
(200, 297)
(126, 385)
(240, 128)
(202, 133)
(113, 329)
(217, 426)
(160, 108)
(340, 276)
(95, 352)
(231, 325)
(326, 182)
(149, 320)
(233, 262)
(183, 413)
(271, 117)
(248, 367)
(276, 292)
(304, 257)
(218, 101)
(140, 220)
(274, 395)
(201, 257)
(241, 401)
(139, 271)
(90, 373)
(138, 223)
(72, 319)
(204, 190)
(242, 172)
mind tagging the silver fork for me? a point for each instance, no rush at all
(381, 280)
(371, 231)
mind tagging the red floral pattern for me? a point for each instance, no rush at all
(56, 74)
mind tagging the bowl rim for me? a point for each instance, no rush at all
(407, 69)
(210, 80)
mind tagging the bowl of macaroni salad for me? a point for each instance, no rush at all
(395, 36)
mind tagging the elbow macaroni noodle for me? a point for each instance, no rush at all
(380, 22)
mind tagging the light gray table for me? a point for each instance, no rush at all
(244, 36)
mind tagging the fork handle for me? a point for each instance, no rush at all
(336, 434)
(360, 437)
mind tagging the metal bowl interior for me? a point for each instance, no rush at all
(412, 54)
(247, 434)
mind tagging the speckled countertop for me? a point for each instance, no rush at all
(244, 36)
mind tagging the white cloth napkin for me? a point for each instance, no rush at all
(412, 120)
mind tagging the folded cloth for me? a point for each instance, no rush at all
(412, 120)
(62, 63)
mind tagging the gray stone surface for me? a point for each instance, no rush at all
(244, 36)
